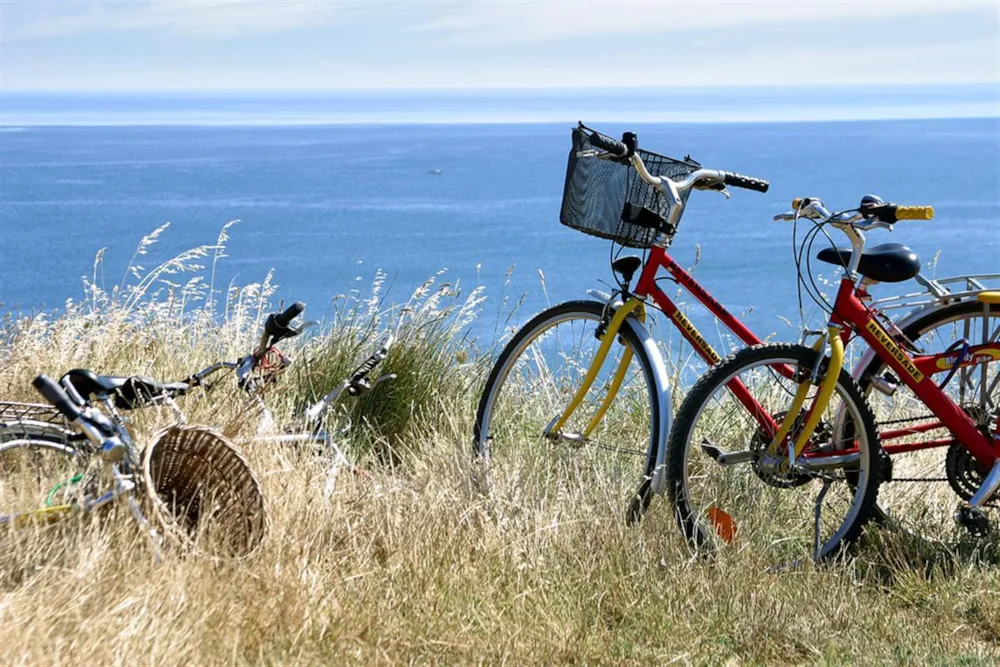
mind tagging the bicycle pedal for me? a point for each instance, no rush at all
(973, 519)
(884, 467)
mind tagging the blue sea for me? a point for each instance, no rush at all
(327, 193)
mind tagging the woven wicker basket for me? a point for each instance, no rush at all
(204, 493)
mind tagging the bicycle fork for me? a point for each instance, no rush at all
(554, 429)
(826, 389)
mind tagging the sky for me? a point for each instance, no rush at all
(80, 45)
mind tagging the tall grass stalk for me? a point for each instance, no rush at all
(423, 562)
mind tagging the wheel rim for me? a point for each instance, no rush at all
(532, 388)
(755, 504)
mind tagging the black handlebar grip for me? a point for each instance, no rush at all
(56, 396)
(293, 311)
(608, 144)
(747, 182)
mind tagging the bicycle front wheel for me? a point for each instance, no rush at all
(729, 486)
(598, 461)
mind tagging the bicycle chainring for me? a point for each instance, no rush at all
(964, 473)
(760, 441)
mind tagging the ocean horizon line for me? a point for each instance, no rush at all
(466, 121)
(750, 104)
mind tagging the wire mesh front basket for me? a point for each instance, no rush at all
(204, 493)
(606, 198)
(32, 420)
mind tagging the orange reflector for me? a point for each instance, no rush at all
(724, 525)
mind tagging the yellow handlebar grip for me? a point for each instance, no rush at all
(914, 213)
(796, 203)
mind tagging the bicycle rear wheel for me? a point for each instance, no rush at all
(726, 486)
(533, 382)
(926, 484)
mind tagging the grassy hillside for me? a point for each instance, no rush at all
(421, 563)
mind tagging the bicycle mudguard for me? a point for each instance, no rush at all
(661, 385)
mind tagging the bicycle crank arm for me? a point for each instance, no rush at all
(726, 458)
(812, 463)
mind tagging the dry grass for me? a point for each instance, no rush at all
(422, 563)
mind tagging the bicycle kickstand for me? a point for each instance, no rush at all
(827, 480)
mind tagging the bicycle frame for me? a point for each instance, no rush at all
(647, 288)
(851, 315)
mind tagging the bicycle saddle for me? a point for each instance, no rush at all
(129, 392)
(886, 263)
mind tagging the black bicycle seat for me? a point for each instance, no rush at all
(886, 263)
(129, 392)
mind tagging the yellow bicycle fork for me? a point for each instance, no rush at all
(610, 334)
(827, 386)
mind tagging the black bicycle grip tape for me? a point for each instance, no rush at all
(56, 396)
(293, 311)
(747, 182)
(608, 144)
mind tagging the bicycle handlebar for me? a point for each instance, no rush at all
(700, 178)
(871, 213)
(87, 421)
(891, 213)
(56, 397)
(293, 311)
(613, 146)
(360, 375)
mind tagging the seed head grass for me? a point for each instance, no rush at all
(423, 561)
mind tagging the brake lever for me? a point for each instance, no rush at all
(878, 224)
(716, 186)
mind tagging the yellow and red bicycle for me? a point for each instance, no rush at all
(579, 401)
(799, 465)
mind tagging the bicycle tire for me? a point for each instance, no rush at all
(590, 312)
(866, 483)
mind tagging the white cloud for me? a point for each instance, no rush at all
(497, 22)
(170, 44)
(211, 19)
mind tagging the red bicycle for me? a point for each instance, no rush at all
(579, 401)
(799, 464)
